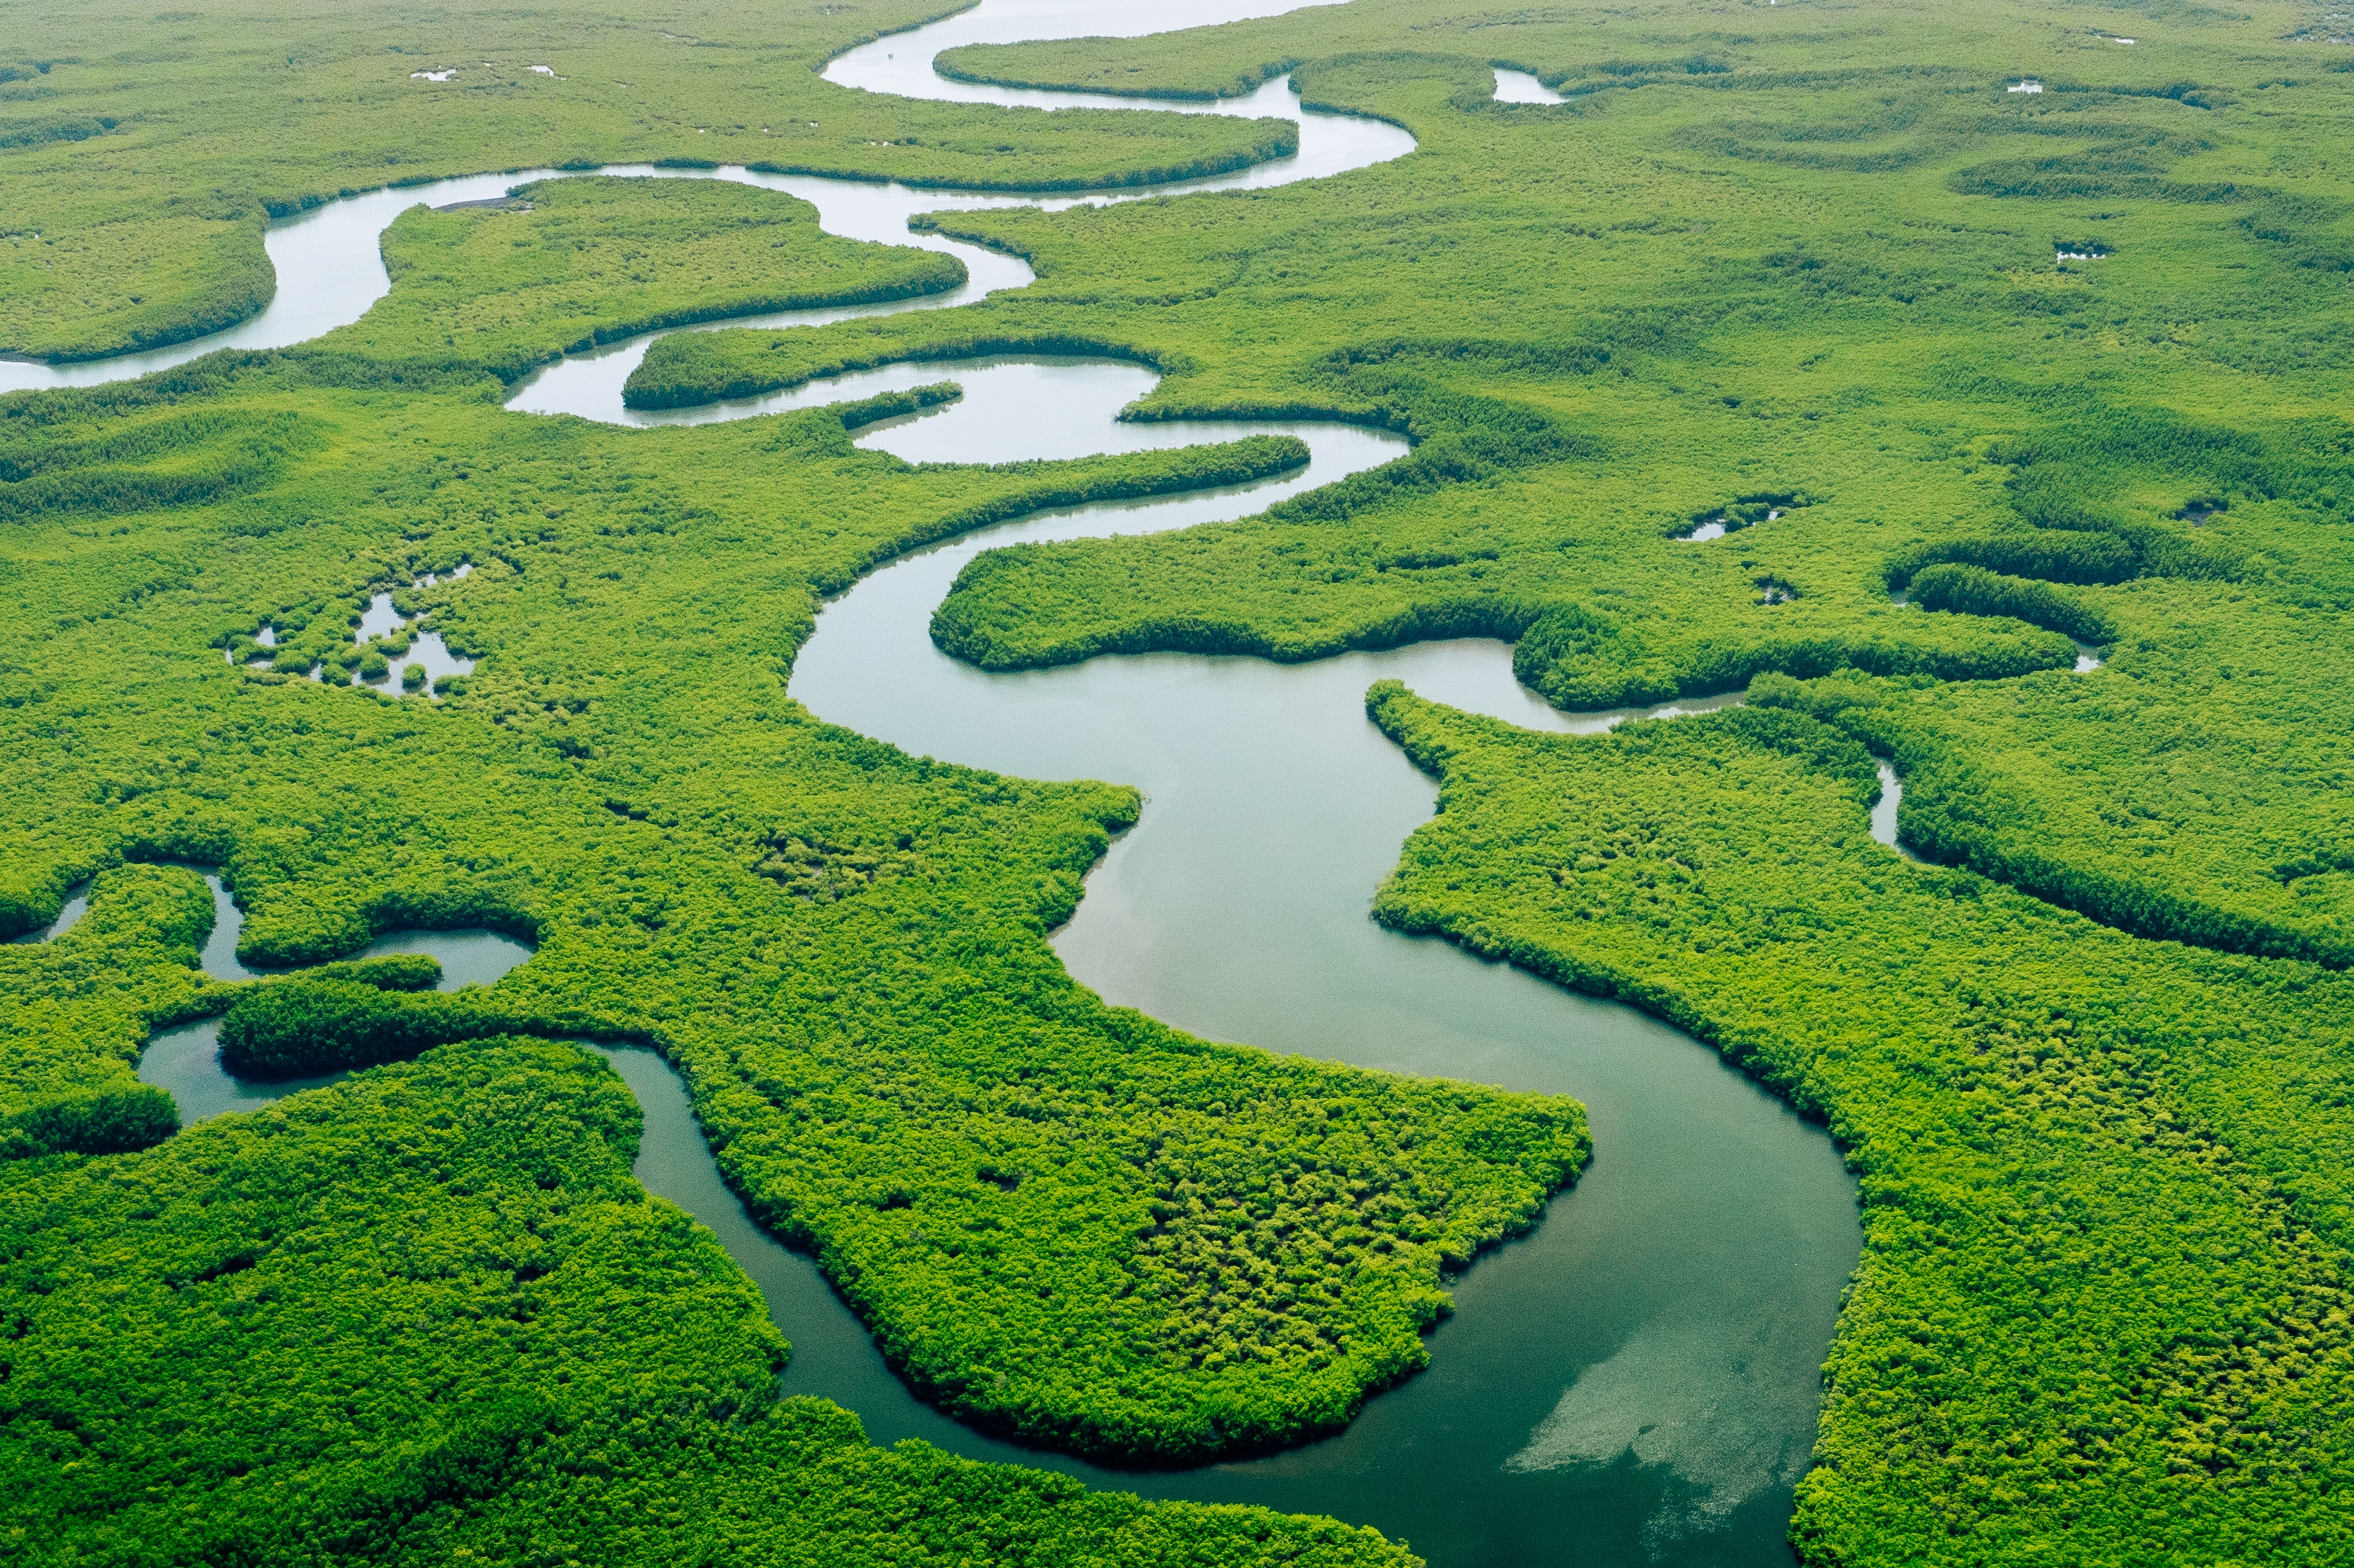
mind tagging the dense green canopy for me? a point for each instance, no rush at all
(1964, 374)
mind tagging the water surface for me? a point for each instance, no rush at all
(1636, 1380)
(185, 1061)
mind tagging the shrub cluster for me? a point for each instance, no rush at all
(2051, 1124)
(1974, 591)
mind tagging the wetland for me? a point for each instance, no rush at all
(870, 649)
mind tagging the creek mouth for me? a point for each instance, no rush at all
(1636, 1380)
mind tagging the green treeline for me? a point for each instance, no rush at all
(1270, 139)
(688, 369)
(1974, 591)
(1958, 812)
(1579, 659)
(2046, 554)
(304, 1027)
(90, 1121)
(2089, 1163)
(186, 461)
(426, 1316)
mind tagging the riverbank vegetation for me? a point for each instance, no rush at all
(2100, 1314)
(2104, 1179)
(1061, 1220)
(565, 265)
(1144, 1291)
(1788, 261)
(1942, 392)
(144, 154)
(428, 1316)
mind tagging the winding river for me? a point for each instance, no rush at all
(1636, 1380)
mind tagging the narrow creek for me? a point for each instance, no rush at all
(1636, 1380)
(186, 1060)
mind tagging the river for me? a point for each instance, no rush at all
(1636, 1380)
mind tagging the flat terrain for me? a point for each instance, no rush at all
(1799, 351)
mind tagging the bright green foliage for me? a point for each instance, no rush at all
(171, 460)
(143, 153)
(1974, 591)
(1798, 253)
(2101, 1294)
(1292, 1242)
(579, 263)
(74, 1011)
(258, 1329)
(427, 1312)
(1059, 1218)
(312, 1025)
(1752, 270)
(2101, 1316)
(2222, 821)
(803, 1489)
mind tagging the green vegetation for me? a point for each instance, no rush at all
(903, 1039)
(1905, 356)
(318, 1023)
(1993, 782)
(1773, 253)
(1792, 261)
(1062, 1220)
(428, 1316)
(2102, 1314)
(1974, 591)
(144, 154)
(579, 263)
(74, 1011)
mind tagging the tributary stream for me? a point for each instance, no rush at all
(1635, 1381)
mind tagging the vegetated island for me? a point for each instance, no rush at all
(2093, 1069)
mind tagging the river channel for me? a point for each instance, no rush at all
(1636, 1380)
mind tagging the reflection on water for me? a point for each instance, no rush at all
(1674, 1397)
(1884, 815)
(77, 905)
(1635, 1381)
(1522, 87)
(185, 1061)
(1686, 1286)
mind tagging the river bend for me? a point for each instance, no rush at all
(1636, 1380)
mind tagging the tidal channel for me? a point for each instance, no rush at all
(1636, 1380)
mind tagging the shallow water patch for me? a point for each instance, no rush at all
(185, 1061)
(1522, 87)
(385, 643)
(1884, 814)
(1742, 512)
